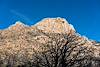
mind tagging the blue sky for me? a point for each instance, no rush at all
(83, 14)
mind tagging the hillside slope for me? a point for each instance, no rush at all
(52, 42)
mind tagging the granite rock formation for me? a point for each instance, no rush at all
(52, 42)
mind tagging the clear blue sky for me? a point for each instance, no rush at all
(83, 14)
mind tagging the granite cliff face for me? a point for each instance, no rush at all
(52, 42)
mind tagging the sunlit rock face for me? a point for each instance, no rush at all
(55, 25)
(52, 42)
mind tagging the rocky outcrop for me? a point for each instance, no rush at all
(55, 25)
(52, 42)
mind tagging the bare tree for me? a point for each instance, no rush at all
(66, 51)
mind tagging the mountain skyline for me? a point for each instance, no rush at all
(51, 42)
(83, 14)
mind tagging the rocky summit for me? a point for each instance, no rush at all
(52, 42)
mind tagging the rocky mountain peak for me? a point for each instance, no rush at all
(55, 25)
(52, 42)
(17, 26)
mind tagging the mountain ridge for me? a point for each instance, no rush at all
(52, 42)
